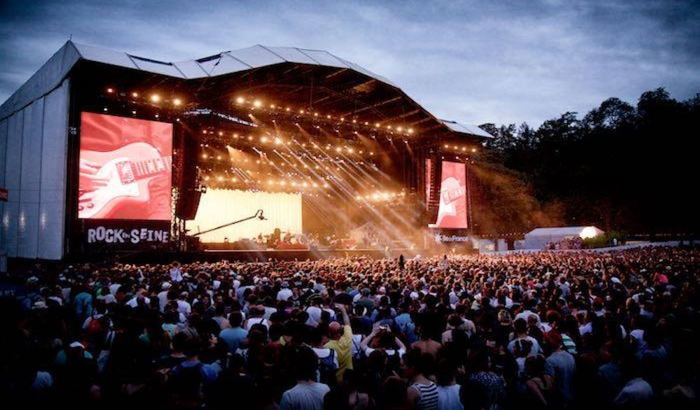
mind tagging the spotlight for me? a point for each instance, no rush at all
(110, 90)
(263, 139)
(155, 98)
(410, 130)
(240, 100)
(177, 102)
(257, 104)
(135, 95)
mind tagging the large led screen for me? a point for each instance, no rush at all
(125, 168)
(452, 213)
(222, 206)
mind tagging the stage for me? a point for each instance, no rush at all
(216, 255)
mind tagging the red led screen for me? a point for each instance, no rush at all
(125, 168)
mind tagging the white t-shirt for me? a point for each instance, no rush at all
(284, 294)
(389, 352)
(255, 320)
(323, 353)
(133, 302)
(304, 396)
(448, 398)
(314, 315)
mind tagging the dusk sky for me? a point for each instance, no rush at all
(500, 61)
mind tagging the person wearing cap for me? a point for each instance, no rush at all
(365, 300)
(74, 349)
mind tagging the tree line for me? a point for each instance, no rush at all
(619, 167)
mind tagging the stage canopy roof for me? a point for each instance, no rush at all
(315, 79)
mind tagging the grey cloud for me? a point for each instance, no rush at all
(472, 60)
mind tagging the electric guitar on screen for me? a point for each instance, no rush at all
(127, 172)
(450, 192)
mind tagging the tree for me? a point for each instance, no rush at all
(613, 113)
(620, 167)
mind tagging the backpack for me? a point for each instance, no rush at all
(185, 384)
(327, 369)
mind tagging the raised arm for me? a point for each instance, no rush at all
(366, 340)
(344, 313)
(400, 343)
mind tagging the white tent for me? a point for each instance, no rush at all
(540, 237)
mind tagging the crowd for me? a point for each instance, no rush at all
(544, 330)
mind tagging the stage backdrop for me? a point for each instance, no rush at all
(452, 213)
(125, 168)
(220, 206)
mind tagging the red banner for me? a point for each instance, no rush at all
(3, 195)
(452, 213)
(125, 168)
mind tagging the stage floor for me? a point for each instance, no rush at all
(215, 255)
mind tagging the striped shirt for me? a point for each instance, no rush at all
(568, 344)
(428, 396)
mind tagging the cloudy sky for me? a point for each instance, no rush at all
(474, 61)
